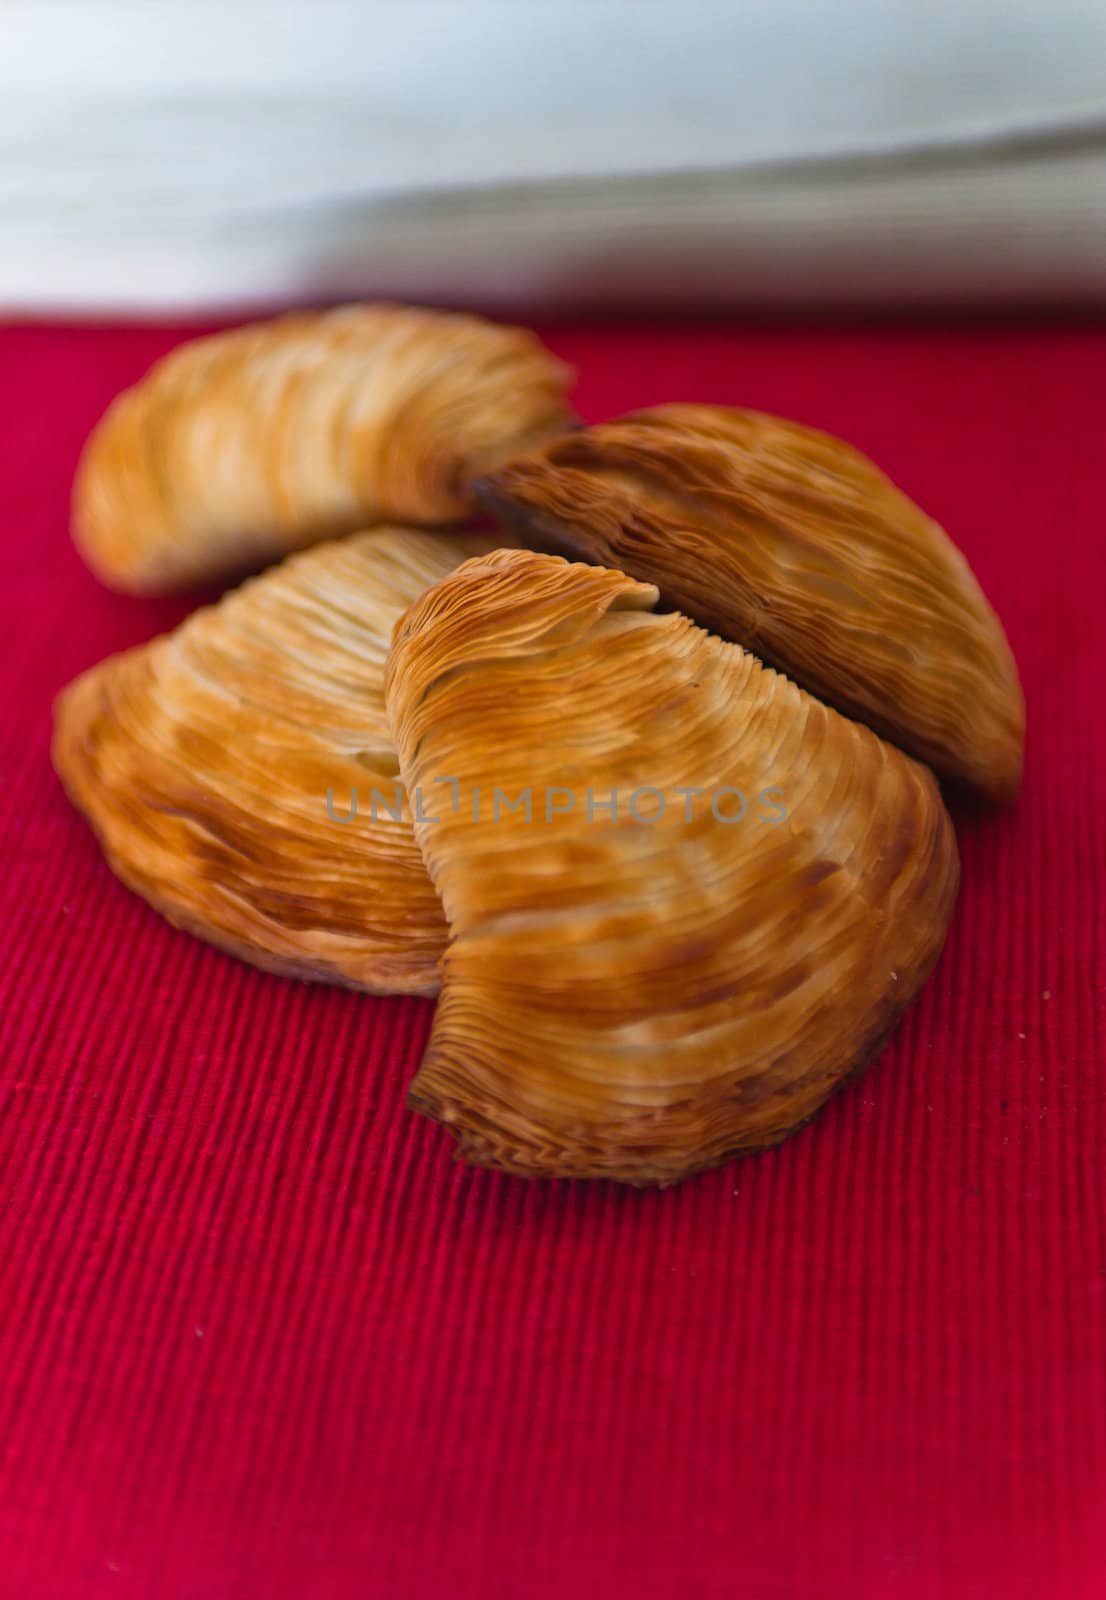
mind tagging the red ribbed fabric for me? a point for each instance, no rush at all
(260, 1336)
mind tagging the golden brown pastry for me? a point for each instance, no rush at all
(638, 999)
(240, 447)
(204, 759)
(794, 545)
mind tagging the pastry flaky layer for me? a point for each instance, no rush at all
(796, 546)
(229, 768)
(640, 999)
(239, 447)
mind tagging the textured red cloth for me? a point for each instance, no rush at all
(260, 1336)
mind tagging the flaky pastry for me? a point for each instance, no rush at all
(242, 446)
(642, 992)
(229, 768)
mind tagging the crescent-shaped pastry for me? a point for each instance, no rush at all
(641, 994)
(796, 546)
(239, 447)
(229, 768)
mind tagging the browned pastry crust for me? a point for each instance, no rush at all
(203, 761)
(242, 446)
(794, 545)
(640, 1000)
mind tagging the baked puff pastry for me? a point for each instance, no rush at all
(640, 990)
(229, 768)
(240, 447)
(793, 544)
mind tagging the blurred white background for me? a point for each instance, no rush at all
(188, 155)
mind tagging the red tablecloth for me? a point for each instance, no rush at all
(261, 1337)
